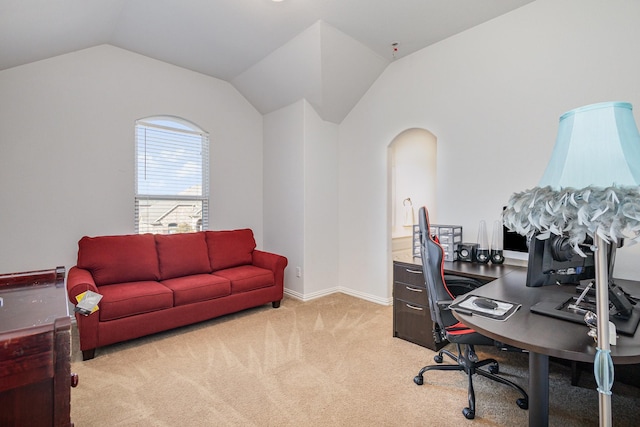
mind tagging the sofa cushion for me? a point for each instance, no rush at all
(118, 259)
(182, 254)
(230, 248)
(128, 299)
(199, 287)
(247, 278)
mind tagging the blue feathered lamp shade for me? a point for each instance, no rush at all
(591, 182)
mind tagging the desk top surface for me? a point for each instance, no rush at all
(544, 334)
(35, 300)
(536, 332)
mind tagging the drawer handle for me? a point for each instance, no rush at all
(414, 307)
(409, 288)
(413, 271)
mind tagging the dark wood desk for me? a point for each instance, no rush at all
(482, 272)
(544, 336)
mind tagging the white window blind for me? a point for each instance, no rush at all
(172, 176)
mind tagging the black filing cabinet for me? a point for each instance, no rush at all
(411, 315)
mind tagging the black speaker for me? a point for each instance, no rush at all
(497, 256)
(467, 252)
(482, 256)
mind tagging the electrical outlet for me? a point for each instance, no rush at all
(298, 272)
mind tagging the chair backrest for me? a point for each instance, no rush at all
(433, 269)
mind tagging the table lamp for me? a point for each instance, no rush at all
(590, 188)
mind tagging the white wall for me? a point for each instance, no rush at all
(284, 189)
(67, 149)
(300, 187)
(320, 204)
(492, 96)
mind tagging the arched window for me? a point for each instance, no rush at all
(172, 176)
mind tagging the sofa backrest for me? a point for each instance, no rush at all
(230, 248)
(117, 259)
(138, 257)
(182, 254)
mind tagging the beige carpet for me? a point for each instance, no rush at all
(328, 362)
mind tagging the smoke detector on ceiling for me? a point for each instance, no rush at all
(394, 48)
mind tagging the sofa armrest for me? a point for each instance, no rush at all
(78, 281)
(273, 262)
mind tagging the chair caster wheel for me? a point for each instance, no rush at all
(437, 358)
(523, 403)
(418, 379)
(494, 369)
(468, 413)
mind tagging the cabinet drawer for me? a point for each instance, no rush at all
(412, 322)
(410, 274)
(411, 293)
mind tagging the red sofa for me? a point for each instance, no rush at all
(150, 283)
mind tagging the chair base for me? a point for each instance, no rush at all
(468, 362)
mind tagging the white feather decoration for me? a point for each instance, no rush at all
(612, 213)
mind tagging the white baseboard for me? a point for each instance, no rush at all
(367, 297)
(338, 289)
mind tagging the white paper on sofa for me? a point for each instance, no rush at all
(87, 302)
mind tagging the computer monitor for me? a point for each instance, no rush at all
(554, 261)
(514, 245)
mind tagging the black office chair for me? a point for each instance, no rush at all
(441, 291)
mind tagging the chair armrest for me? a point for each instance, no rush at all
(444, 305)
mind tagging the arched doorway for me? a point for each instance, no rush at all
(411, 184)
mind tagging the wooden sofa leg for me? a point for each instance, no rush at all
(88, 354)
(275, 304)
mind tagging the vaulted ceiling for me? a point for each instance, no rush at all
(274, 53)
